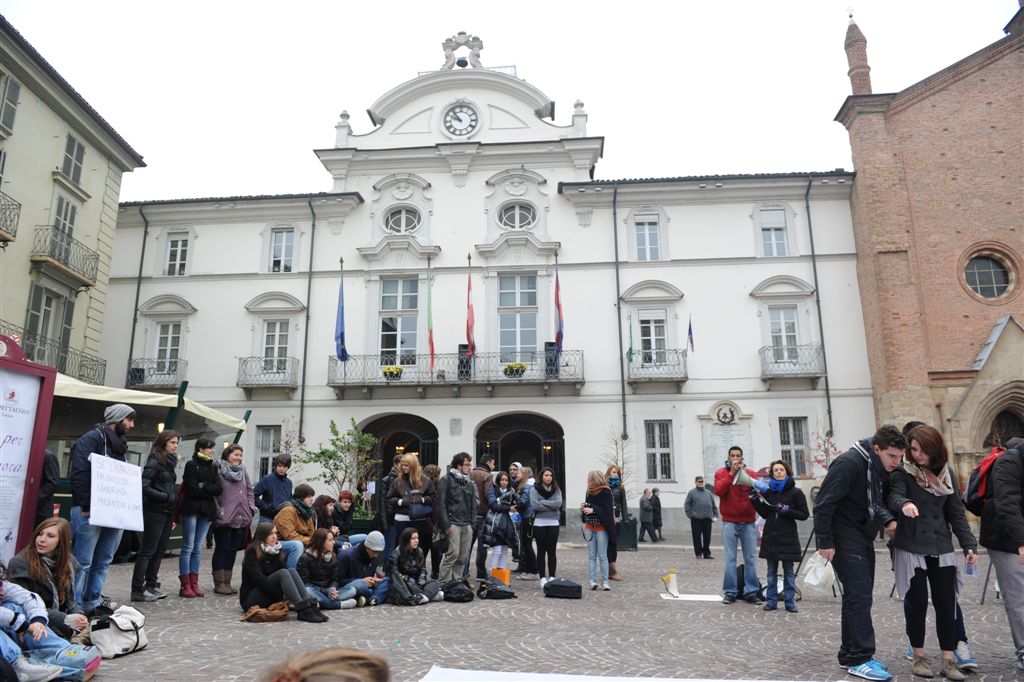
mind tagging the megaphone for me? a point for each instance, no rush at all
(743, 478)
(671, 584)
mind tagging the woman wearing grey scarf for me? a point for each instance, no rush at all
(235, 509)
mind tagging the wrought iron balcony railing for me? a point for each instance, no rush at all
(781, 362)
(70, 254)
(527, 367)
(259, 372)
(156, 372)
(10, 210)
(52, 353)
(668, 364)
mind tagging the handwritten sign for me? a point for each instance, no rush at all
(19, 394)
(116, 499)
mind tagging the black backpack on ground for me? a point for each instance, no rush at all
(494, 589)
(560, 588)
(741, 582)
(457, 591)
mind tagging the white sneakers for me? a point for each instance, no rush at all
(542, 582)
(30, 671)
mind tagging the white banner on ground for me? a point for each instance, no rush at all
(438, 674)
(693, 597)
(116, 498)
(19, 396)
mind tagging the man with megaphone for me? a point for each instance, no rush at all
(732, 486)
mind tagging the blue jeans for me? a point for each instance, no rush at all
(323, 598)
(597, 551)
(193, 537)
(292, 550)
(50, 648)
(854, 564)
(744, 534)
(359, 588)
(93, 547)
(771, 592)
(9, 648)
(356, 539)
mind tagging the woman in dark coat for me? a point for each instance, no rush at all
(266, 579)
(412, 497)
(782, 505)
(198, 510)
(599, 518)
(614, 477)
(407, 569)
(159, 498)
(47, 567)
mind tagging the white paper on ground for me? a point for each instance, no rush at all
(692, 597)
(439, 674)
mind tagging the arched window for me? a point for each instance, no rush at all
(1005, 426)
(402, 220)
(517, 216)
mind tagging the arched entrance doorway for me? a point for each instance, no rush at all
(530, 439)
(1006, 425)
(403, 434)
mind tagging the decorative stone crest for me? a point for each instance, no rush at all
(401, 191)
(517, 187)
(462, 39)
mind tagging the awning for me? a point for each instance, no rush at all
(78, 405)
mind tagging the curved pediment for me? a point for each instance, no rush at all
(782, 286)
(516, 174)
(275, 302)
(515, 248)
(399, 251)
(651, 291)
(167, 304)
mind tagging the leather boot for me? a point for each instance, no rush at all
(613, 573)
(220, 583)
(186, 587)
(194, 579)
(227, 581)
(308, 612)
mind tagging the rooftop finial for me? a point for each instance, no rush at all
(462, 39)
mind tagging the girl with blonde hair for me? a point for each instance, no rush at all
(412, 498)
(599, 520)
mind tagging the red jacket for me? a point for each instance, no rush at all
(733, 503)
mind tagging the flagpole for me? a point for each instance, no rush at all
(339, 325)
(430, 318)
(470, 316)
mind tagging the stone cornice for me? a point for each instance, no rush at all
(705, 191)
(856, 105)
(239, 209)
(398, 242)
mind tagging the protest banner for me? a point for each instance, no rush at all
(116, 497)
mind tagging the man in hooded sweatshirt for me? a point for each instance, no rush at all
(849, 512)
(94, 546)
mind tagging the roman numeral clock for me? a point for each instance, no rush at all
(460, 119)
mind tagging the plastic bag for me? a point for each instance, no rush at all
(818, 573)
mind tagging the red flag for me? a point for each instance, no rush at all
(469, 315)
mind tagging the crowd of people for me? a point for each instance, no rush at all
(305, 552)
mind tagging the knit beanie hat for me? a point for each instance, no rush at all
(116, 413)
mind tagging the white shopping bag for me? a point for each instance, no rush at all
(818, 573)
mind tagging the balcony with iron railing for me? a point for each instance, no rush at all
(10, 211)
(651, 366)
(542, 368)
(805, 361)
(156, 373)
(259, 373)
(71, 256)
(52, 353)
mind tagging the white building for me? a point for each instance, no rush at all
(238, 295)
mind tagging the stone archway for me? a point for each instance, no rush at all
(531, 439)
(403, 433)
(999, 414)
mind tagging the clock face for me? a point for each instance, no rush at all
(460, 119)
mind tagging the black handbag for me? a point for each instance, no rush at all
(560, 588)
(419, 511)
(439, 540)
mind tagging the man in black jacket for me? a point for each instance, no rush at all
(47, 486)
(456, 511)
(848, 513)
(482, 476)
(1002, 533)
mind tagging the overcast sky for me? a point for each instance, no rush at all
(226, 98)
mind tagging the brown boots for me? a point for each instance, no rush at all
(613, 573)
(222, 583)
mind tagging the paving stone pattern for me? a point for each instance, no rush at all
(629, 631)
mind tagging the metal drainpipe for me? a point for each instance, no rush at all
(138, 291)
(817, 302)
(618, 307)
(305, 335)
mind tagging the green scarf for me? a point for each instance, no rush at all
(305, 511)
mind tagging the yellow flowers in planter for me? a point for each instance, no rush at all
(391, 372)
(514, 370)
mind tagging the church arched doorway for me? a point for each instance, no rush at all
(533, 440)
(399, 434)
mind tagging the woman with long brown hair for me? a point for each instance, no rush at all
(599, 520)
(546, 502)
(267, 580)
(159, 497)
(433, 472)
(47, 567)
(412, 499)
(613, 475)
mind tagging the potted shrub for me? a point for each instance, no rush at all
(342, 462)
(392, 372)
(514, 370)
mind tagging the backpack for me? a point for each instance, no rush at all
(741, 581)
(494, 589)
(977, 491)
(561, 588)
(120, 633)
(457, 591)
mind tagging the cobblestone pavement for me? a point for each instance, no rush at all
(629, 631)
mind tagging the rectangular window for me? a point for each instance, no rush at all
(793, 441)
(48, 327)
(648, 243)
(517, 318)
(67, 214)
(282, 243)
(177, 253)
(9, 102)
(275, 345)
(653, 342)
(658, 442)
(168, 345)
(773, 232)
(74, 154)
(268, 445)
(782, 321)
(399, 303)
(3, 165)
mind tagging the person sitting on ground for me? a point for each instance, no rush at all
(47, 568)
(342, 517)
(267, 580)
(407, 571)
(295, 523)
(318, 568)
(360, 573)
(323, 511)
(333, 664)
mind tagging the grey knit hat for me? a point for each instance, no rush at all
(116, 413)
(375, 541)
